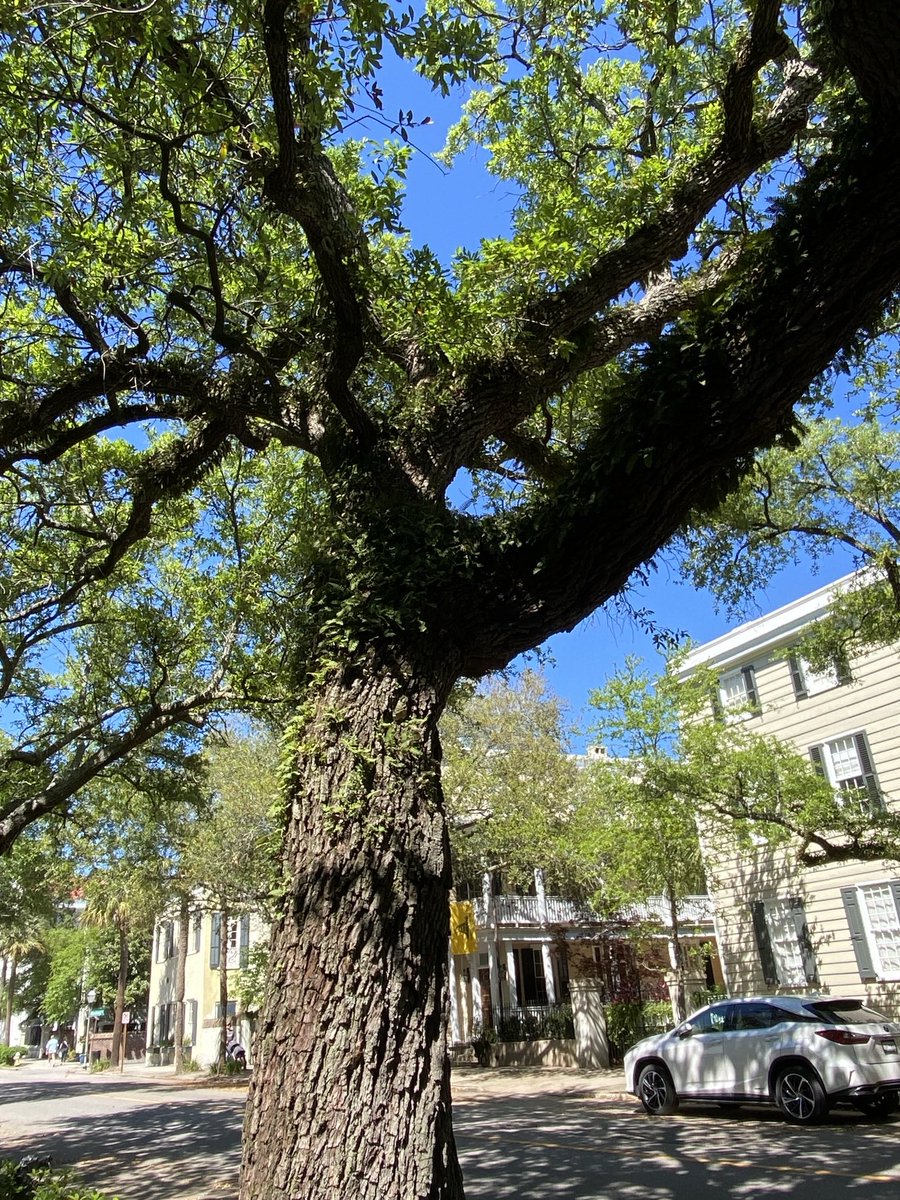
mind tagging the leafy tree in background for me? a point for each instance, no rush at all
(230, 863)
(33, 883)
(123, 900)
(839, 487)
(639, 818)
(706, 214)
(104, 662)
(509, 784)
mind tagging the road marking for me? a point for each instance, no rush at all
(742, 1164)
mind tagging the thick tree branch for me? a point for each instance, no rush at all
(20, 812)
(702, 401)
(496, 398)
(303, 185)
(27, 430)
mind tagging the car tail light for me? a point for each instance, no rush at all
(843, 1037)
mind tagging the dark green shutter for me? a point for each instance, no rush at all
(815, 753)
(858, 939)
(865, 761)
(245, 940)
(764, 943)
(797, 677)
(750, 685)
(215, 941)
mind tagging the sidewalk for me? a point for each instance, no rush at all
(135, 1072)
(468, 1081)
(481, 1083)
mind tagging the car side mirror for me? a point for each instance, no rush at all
(685, 1030)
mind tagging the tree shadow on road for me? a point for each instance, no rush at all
(524, 1147)
(161, 1150)
(565, 1148)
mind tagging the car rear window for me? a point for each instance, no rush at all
(844, 1012)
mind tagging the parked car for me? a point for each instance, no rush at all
(802, 1053)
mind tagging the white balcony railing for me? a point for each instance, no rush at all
(555, 910)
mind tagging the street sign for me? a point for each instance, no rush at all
(126, 1017)
(98, 1012)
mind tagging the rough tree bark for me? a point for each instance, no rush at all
(351, 1089)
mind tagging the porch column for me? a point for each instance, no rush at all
(493, 951)
(540, 895)
(511, 976)
(591, 1039)
(455, 1023)
(549, 978)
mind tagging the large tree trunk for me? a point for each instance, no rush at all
(351, 1089)
(121, 985)
(184, 917)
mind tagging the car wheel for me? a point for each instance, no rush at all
(800, 1096)
(879, 1106)
(656, 1091)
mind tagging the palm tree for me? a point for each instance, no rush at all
(120, 899)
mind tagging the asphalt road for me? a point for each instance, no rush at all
(529, 1136)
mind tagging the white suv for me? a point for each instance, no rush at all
(803, 1053)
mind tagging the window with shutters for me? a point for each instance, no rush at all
(165, 940)
(847, 763)
(809, 682)
(196, 928)
(785, 947)
(737, 697)
(873, 914)
(238, 942)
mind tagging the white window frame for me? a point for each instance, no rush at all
(165, 941)
(808, 682)
(233, 951)
(785, 942)
(864, 891)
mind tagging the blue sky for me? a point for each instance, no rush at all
(598, 647)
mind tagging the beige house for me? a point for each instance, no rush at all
(207, 942)
(832, 929)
